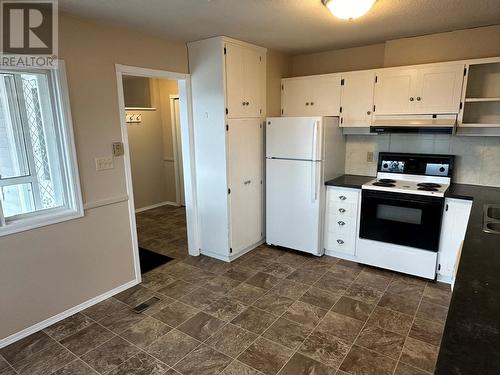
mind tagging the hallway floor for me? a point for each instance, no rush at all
(270, 311)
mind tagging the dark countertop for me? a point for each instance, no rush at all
(349, 181)
(471, 338)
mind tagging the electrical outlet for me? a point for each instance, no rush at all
(369, 157)
(103, 163)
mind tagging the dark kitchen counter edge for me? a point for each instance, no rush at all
(472, 330)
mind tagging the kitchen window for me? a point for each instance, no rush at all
(38, 172)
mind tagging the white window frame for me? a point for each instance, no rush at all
(63, 124)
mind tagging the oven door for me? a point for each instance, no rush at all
(402, 219)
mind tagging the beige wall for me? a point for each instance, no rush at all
(49, 270)
(462, 44)
(278, 67)
(151, 149)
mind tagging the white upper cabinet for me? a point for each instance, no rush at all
(311, 96)
(357, 99)
(431, 89)
(244, 76)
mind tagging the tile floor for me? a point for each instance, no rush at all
(269, 312)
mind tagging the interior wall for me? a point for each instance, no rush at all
(279, 65)
(49, 270)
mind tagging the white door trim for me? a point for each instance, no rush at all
(187, 138)
(175, 142)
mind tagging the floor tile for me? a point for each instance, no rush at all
(77, 367)
(175, 314)
(396, 302)
(263, 280)
(305, 314)
(293, 259)
(381, 341)
(255, 263)
(398, 286)
(225, 308)
(332, 284)
(265, 356)
(10, 371)
(104, 308)
(177, 289)
(109, 355)
(140, 364)
(145, 332)
(240, 273)
(353, 308)
(172, 347)
(200, 298)
(68, 326)
(300, 364)
(287, 333)
(221, 284)
(87, 339)
(344, 273)
(279, 270)
(238, 368)
(121, 320)
(391, 320)
(360, 361)
(159, 305)
(290, 289)
(273, 303)
(340, 326)
(231, 340)
(325, 348)
(254, 320)
(3, 363)
(156, 279)
(437, 293)
(304, 276)
(403, 369)
(320, 298)
(26, 347)
(373, 280)
(363, 293)
(419, 354)
(135, 295)
(44, 361)
(203, 361)
(427, 331)
(431, 311)
(246, 293)
(201, 326)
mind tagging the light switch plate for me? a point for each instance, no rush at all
(104, 163)
(369, 157)
(118, 149)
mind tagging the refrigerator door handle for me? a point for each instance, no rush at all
(314, 181)
(315, 140)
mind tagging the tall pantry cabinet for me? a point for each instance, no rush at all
(228, 80)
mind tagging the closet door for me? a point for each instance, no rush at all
(245, 165)
(235, 77)
(252, 82)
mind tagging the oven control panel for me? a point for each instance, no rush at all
(416, 164)
(392, 166)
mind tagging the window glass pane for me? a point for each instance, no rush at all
(13, 158)
(17, 199)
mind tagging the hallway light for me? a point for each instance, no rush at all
(348, 9)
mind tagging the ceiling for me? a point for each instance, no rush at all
(294, 26)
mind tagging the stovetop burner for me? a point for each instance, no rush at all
(428, 185)
(425, 188)
(385, 184)
(386, 181)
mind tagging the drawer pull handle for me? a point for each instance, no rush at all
(340, 242)
(342, 210)
(340, 223)
(342, 197)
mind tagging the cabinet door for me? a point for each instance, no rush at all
(357, 99)
(252, 82)
(394, 91)
(296, 97)
(439, 89)
(325, 99)
(245, 166)
(235, 76)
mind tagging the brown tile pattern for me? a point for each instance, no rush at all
(292, 314)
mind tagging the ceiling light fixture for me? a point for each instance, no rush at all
(348, 9)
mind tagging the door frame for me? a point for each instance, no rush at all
(179, 191)
(188, 153)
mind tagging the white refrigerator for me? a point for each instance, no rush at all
(301, 154)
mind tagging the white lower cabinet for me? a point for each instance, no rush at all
(455, 219)
(341, 221)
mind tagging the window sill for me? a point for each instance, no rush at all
(39, 221)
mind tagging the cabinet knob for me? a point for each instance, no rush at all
(412, 99)
(419, 98)
(243, 103)
(247, 103)
(247, 182)
(342, 197)
(340, 242)
(307, 103)
(341, 223)
(368, 112)
(312, 103)
(342, 210)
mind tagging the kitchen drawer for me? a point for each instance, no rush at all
(343, 195)
(340, 244)
(341, 225)
(343, 209)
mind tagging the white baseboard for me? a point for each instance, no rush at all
(339, 255)
(65, 314)
(229, 258)
(167, 203)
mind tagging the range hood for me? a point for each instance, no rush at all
(443, 124)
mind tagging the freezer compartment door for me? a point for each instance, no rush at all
(293, 214)
(294, 138)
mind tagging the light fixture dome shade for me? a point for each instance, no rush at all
(348, 9)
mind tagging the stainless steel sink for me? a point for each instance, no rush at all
(491, 218)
